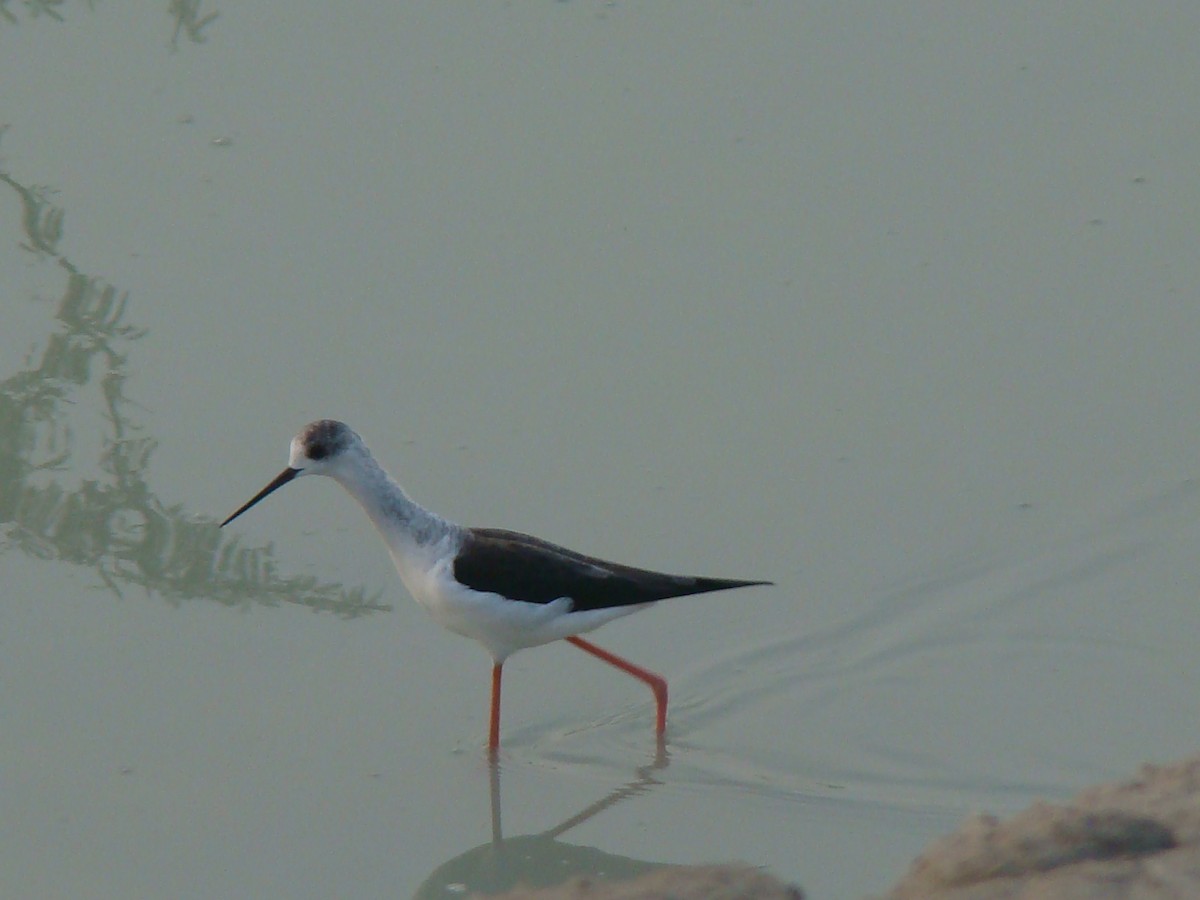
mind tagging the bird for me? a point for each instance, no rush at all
(507, 590)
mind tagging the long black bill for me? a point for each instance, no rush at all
(280, 480)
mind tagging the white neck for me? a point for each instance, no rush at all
(404, 524)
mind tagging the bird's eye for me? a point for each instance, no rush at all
(318, 450)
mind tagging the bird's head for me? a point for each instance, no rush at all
(324, 447)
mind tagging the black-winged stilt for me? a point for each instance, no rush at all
(506, 590)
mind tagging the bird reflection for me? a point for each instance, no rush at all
(542, 859)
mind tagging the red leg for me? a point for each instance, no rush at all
(657, 683)
(494, 727)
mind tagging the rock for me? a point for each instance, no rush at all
(732, 882)
(1139, 838)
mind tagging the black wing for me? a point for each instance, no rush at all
(526, 568)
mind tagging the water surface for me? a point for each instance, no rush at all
(897, 308)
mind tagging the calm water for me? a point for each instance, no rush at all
(897, 308)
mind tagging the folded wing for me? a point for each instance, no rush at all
(522, 567)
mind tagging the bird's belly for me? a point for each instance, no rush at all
(503, 625)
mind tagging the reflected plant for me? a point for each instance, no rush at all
(114, 523)
(46, 7)
(41, 219)
(38, 8)
(189, 21)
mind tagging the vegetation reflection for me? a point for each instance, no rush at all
(111, 520)
(190, 22)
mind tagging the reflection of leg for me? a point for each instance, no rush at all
(494, 789)
(657, 683)
(494, 727)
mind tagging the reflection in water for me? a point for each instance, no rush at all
(34, 8)
(540, 860)
(113, 523)
(188, 19)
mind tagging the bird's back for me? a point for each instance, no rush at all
(522, 567)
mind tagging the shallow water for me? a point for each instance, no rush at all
(896, 309)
